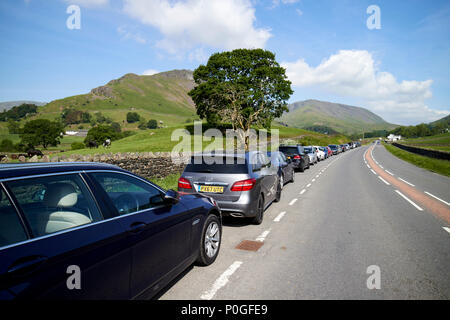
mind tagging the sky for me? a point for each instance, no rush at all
(391, 57)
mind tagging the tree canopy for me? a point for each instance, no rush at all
(41, 132)
(244, 87)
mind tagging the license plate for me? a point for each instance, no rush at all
(210, 189)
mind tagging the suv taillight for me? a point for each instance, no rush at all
(297, 157)
(243, 185)
(184, 183)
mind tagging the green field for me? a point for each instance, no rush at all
(435, 165)
(440, 142)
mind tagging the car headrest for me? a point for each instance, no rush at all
(60, 195)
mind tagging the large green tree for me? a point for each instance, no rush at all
(41, 132)
(243, 87)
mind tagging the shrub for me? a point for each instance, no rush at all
(133, 117)
(152, 124)
(7, 145)
(77, 145)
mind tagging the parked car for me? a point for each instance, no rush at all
(343, 149)
(330, 153)
(325, 151)
(312, 154)
(243, 185)
(334, 148)
(285, 167)
(297, 154)
(126, 236)
(320, 153)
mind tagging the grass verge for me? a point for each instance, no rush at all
(169, 182)
(435, 165)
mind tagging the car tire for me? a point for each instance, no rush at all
(210, 241)
(293, 176)
(258, 219)
(278, 194)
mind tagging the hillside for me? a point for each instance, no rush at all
(444, 121)
(9, 104)
(338, 117)
(162, 96)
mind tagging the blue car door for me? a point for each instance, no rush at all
(158, 233)
(69, 251)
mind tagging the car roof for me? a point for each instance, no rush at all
(13, 170)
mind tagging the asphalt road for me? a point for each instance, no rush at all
(343, 216)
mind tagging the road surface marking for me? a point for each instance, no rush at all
(373, 171)
(406, 182)
(407, 199)
(384, 180)
(303, 191)
(308, 185)
(263, 236)
(446, 229)
(221, 281)
(389, 172)
(437, 198)
(280, 216)
(293, 201)
(313, 180)
(317, 176)
(380, 166)
(368, 166)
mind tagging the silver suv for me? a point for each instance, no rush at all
(243, 185)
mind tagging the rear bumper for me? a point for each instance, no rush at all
(244, 207)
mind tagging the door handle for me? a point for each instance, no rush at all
(26, 265)
(137, 227)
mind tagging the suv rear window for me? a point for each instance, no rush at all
(223, 165)
(291, 150)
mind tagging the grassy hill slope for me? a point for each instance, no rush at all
(341, 118)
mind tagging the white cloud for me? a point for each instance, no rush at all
(150, 72)
(191, 23)
(88, 3)
(126, 35)
(353, 73)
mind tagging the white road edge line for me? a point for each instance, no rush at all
(446, 229)
(221, 281)
(293, 201)
(279, 217)
(406, 182)
(389, 172)
(384, 181)
(437, 198)
(263, 236)
(373, 171)
(407, 199)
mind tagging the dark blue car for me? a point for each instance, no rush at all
(95, 231)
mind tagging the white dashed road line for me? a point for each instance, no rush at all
(437, 198)
(279, 217)
(263, 236)
(221, 281)
(446, 229)
(373, 171)
(406, 182)
(303, 191)
(410, 201)
(293, 201)
(308, 185)
(384, 181)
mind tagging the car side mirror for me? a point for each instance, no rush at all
(171, 197)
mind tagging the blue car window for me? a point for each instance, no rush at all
(55, 203)
(11, 228)
(128, 194)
